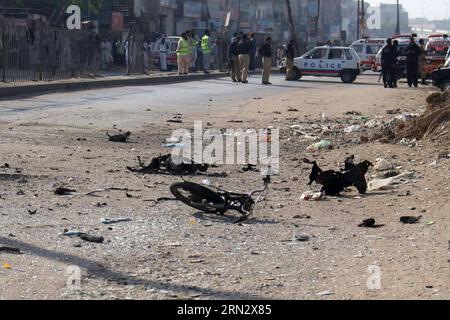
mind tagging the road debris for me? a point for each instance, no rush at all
(323, 144)
(312, 196)
(325, 293)
(84, 236)
(122, 137)
(387, 184)
(166, 164)
(383, 165)
(301, 238)
(115, 220)
(335, 182)
(62, 191)
(368, 223)
(10, 250)
(410, 219)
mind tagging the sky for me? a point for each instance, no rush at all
(432, 9)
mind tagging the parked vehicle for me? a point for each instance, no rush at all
(367, 50)
(437, 49)
(329, 61)
(441, 76)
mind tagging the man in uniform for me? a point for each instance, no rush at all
(206, 48)
(423, 62)
(388, 56)
(183, 55)
(412, 52)
(234, 60)
(290, 55)
(266, 53)
(194, 55)
(244, 51)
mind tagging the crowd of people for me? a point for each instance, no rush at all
(242, 54)
(415, 63)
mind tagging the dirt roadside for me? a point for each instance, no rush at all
(169, 251)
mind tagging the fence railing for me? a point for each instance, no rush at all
(46, 53)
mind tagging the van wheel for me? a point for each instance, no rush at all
(445, 86)
(348, 77)
(298, 74)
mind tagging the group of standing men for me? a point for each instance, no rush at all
(415, 62)
(242, 53)
(187, 54)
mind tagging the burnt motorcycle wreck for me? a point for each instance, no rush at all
(167, 164)
(334, 182)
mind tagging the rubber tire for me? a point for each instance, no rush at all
(445, 86)
(348, 77)
(199, 191)
(298, 74)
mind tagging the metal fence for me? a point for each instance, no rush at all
(46, 53)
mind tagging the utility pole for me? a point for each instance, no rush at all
(363, 18)
(238, 22)
(397, 30)
(358, 23)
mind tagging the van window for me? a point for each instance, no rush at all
(348, 55)
(335, 54)
(358, 48)
(373, 49)
(173, 46)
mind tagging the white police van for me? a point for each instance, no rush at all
(329, 61)
(367, 49)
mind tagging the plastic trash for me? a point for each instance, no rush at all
(386, 184)
(383, 165)
(72, 233)
(114, 220)
(324, 144)
(352, 128)
(312, 196)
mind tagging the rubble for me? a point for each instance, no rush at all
(165, 164)
(335, 182)
(383, 165)
(387, 184)
(122, 137)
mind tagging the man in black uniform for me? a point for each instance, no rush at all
(412, 52)
(388, 57)
(397, 54)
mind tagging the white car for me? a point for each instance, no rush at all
(328, 61)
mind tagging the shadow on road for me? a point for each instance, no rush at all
(96, 269)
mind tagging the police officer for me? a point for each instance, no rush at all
(206, 49)
(423, 62)
(266, 53)
(388, 57)
(412, 52)
(290, 55)
(397, 54)
(244, 51)
(234, 60)
(183, 51)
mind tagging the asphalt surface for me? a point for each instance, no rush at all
(192, 96)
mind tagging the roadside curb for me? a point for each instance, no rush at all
(99, 84)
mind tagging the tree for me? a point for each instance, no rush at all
(292, 27)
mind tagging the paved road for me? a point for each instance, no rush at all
(124, 106)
